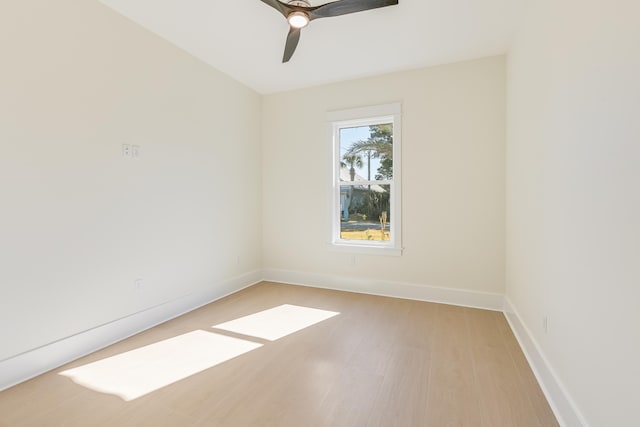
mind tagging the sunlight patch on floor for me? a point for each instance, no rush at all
(276, 322)
(138, 372)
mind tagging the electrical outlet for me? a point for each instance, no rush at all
(126, 151)
(135, 151)
(139, 284)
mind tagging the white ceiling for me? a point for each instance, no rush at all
(245, 38)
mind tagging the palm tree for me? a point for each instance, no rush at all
(352, 160)
(378, 146)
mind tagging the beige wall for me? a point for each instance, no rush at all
(453, 177)
(78, 223)
(573, 199)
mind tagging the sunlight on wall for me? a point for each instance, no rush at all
(276, 322)
(137, 372)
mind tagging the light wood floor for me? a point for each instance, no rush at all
(380, 362)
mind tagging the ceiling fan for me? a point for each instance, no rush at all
(299, 13)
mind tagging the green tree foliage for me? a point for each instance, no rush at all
(380, 146)
(385, 171)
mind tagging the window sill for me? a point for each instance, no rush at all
(365, 249)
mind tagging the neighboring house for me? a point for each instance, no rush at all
(353, 195)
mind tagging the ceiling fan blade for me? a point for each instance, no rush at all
(284, 9)
(292, 42)
(344, 7)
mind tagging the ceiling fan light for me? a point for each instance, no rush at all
(298, 19)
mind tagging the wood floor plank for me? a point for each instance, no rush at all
(453, 397)
(378, 362)
(503, 400)
(402, 397)
(348, 403)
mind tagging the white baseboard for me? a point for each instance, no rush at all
(563, 406)
(465, 298)
(50, 356)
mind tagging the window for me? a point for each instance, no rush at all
(366, 179)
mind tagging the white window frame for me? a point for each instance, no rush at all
(365, 116)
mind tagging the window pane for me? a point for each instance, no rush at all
(366, 152)
(364, 212)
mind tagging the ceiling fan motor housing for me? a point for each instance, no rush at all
(303, 3)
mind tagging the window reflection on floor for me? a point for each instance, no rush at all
(138, 372)
(276, 322)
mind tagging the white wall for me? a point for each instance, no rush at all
(453, 177)
(78, 223)
(573, 198)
